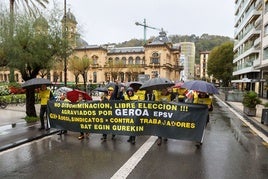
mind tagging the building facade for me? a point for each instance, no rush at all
(160, 58)
(248, 47)
(188, 59)
(203, 71)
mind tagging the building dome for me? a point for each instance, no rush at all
(41, 22)
(70, 17)
(161, 39)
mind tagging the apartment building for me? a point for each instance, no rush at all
(248, 47)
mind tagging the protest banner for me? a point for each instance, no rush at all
(167, 119)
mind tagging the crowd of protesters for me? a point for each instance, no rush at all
(119, 92)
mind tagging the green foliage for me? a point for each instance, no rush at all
(251, 99)
(4, 90)
(265, 105)
(30, 49)
(30, 119)
(220, 63)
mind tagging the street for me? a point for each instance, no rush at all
(221, 156)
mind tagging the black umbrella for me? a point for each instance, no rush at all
(134, 84)
(201, 86)
(101, 89)
(156, 84)
(36, 82)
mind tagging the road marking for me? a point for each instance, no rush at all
(260, 134)
(126, 169)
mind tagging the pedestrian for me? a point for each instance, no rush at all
(63, 98)
(133, 97)
(112, 94)
(44, 95)
(203, 98)
(81, 100)
(164, 96)
(149, 95)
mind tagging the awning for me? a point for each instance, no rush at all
(245, 80)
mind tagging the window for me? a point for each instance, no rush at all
(138, 60)
(94, 77)
(265, 53)
(155, 58)
(124, 60)
(116, 60)
(95, 59)
(266, 6)
(266, 30)
(110, 61)
(130, 60)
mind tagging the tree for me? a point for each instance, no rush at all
(80, 66)
(29, 51)
(31, 7)
(220, 63)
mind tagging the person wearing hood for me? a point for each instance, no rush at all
(131, 96)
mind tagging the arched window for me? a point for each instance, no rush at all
(110, 60)
(130, 60)
(138, 60)
(124, 60)
(117, 60)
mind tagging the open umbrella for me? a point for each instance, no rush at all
(62, 90)
(178, 85)
(36, 82)
(156, 83)
(201, 86)
(73, 95)
(134, 84)
(101, 89)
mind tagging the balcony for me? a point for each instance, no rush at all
(178, 67)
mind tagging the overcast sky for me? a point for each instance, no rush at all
(113, 21)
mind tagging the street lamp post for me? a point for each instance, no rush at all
(65, 46)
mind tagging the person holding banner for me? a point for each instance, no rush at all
(166, 96)
(81, 99)
(133, 97)
(63, 97)
(111, 95)
(204, 98)
(149, 95)
(44, 95)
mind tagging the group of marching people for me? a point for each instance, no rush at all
(165, 95)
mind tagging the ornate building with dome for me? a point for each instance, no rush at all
(107, 62)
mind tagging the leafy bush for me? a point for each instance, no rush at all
(4, 90)
(251, 99)
(30, 119)
(15, 88)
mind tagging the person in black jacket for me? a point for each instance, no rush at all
(113, 94)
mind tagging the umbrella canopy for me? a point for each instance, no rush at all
(201, 86)
(73, 95)
(62, 90)
(156, 84)
(134, 84)
(178, 85)
(36, 82)
(101, 89)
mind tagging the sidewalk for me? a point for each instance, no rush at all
(14, 131)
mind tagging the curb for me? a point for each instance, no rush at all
(26, 140)
(242, 132)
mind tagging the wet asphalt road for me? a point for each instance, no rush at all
(221, 156)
